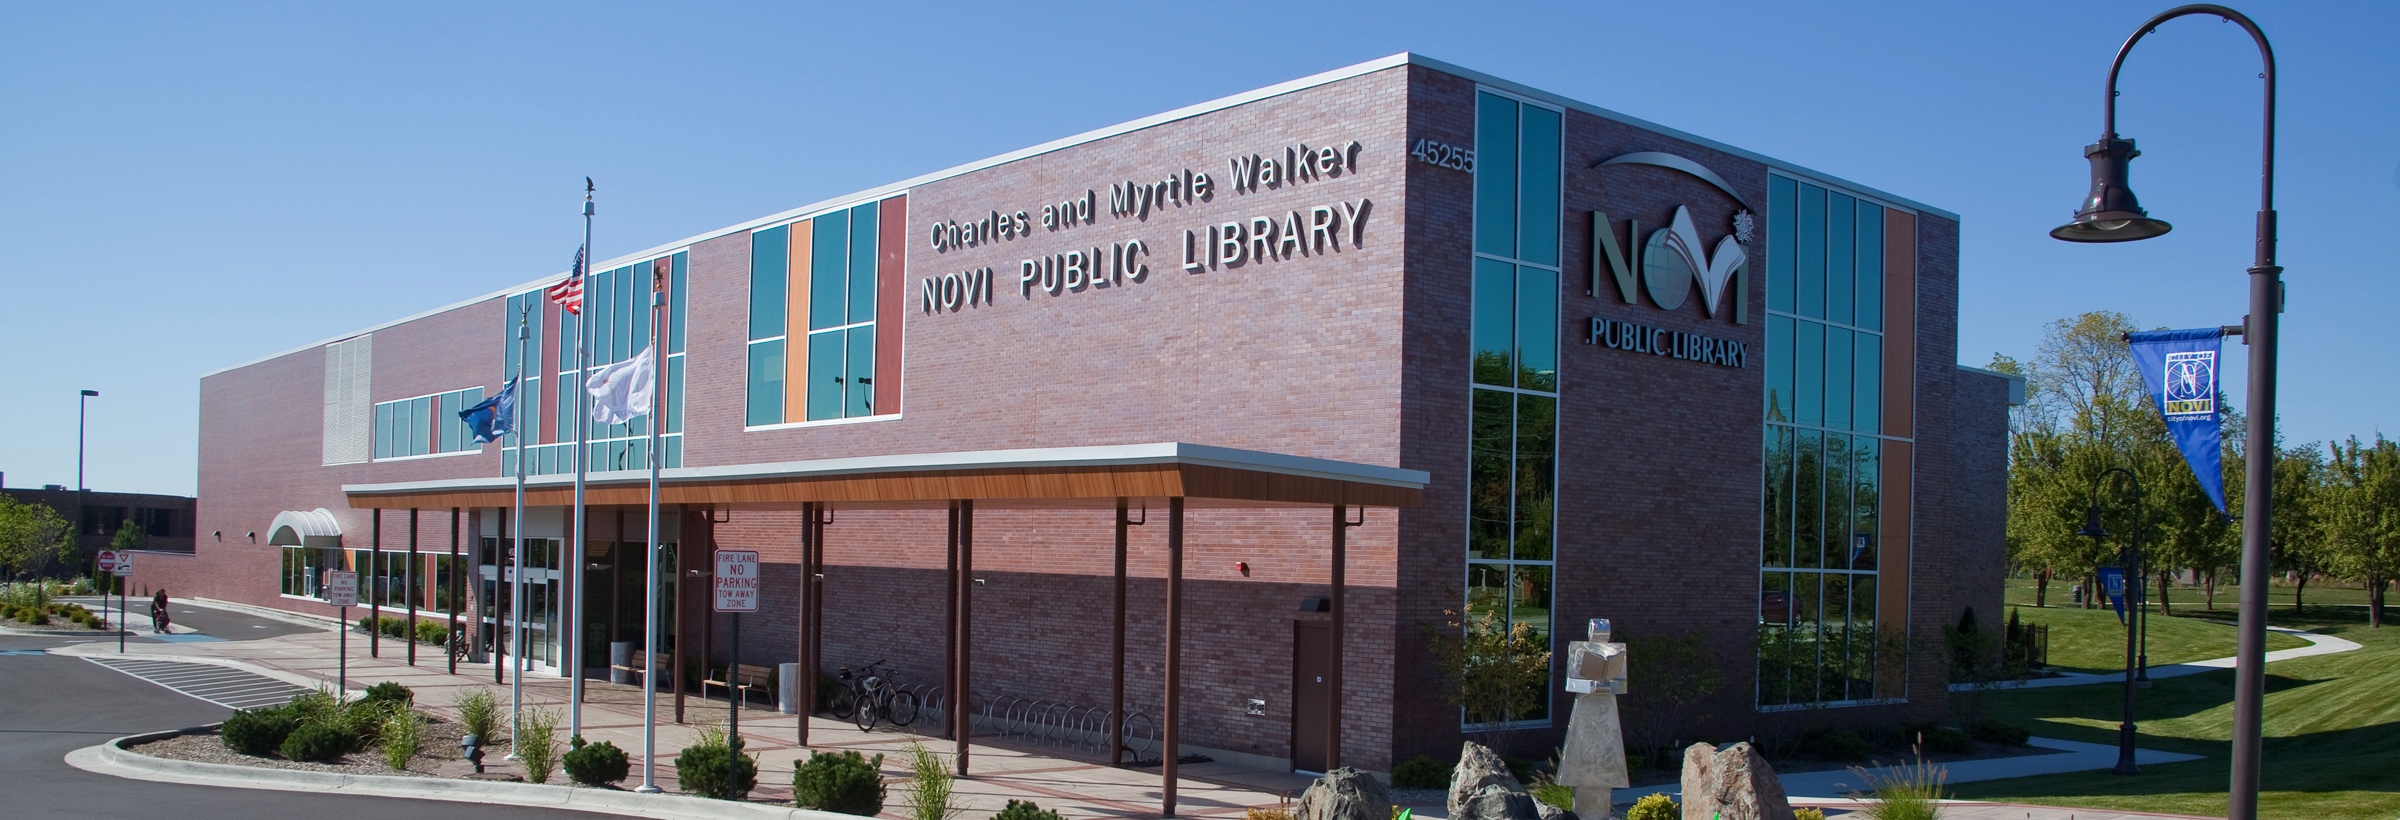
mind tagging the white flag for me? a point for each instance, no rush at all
(621, 391)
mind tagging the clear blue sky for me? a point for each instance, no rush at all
(185, 187)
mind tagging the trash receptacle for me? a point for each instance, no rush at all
(787, 698)
(620, 655)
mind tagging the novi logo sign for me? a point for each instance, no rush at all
(1675, 258)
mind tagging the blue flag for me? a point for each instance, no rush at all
(2112, 581)
(493, 417)
(2181, 369)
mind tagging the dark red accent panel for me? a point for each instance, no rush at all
(891, 286)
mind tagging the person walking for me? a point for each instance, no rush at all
(158, 612)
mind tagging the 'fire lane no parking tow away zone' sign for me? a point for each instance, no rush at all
(737, 580)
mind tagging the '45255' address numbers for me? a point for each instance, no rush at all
(1444, 155)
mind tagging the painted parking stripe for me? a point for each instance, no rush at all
(223, 686)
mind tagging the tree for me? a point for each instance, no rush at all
(1678, 674)
(2292, 534)
(29, 536)
(2359, 518)
(1495, 671)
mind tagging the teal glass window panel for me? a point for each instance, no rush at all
(569, 327)
(383, 431)
(1833, 680)
(620, 329)
(1808, 373)
(508, 336)
(545, 460)
(1495, 322)
(829, 272)
(643, 311)
(765, 389)
(859, 382)
(1537, 187)
(675, 311)
(674, 447)
(1776, 549)
(1529, 598)
(526, 403)
(862, 263)
(420, 426)
(508, 462)
(1864, 642)
(1870, 266)
(1841, 245)
(448, 440)
(600, 303)
(1808, 500)
(1866, 476)
(1782, 228)
(1490, 494)
(1838, 389)
(674, 404)
(1837, 502)
(1495, 175)
(824, 376)
(1487, 595)
(1810, 275)
(1536, 476)
(1781, 404)
(1866, 382)
(770, 265)
(1537, 328)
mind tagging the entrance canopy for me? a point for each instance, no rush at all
(311, 528)
(1044, 477)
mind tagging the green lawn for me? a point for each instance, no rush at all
(2091, 640)
(2332, 724)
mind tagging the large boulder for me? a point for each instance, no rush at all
(1345, 794)
(1732, 783)
(1549, 812)
(1481, 788)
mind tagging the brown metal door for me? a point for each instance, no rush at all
(1312, 646)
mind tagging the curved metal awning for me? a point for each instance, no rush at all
(311, 528)
(1054, 476)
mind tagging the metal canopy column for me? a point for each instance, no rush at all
(1116, 703)
(374, 586)
(458, 599)
(805, 689)
(1173, 748)
(950, 611)
(816, 578)
(966, 630)
(1333, 671)
(408, 595)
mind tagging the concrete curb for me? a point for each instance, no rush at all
(114, 760)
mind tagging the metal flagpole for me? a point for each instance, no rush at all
(583, 423)
(658, 302)
(516, 568)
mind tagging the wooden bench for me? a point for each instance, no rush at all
(744, 678)
(635, 665)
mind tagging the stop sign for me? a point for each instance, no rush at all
(108, 560)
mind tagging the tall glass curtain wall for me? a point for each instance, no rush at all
(1512, 486)
(425, 425)
(1817, 615)
(617, 302)
(813, 315)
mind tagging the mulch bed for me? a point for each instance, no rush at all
(440, 747)
(59, 624)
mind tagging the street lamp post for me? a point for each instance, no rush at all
(2111, 214)
(80, 402)
(2131, 560)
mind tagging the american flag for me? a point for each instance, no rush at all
(569, 294)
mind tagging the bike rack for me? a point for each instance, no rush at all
(1059, 724)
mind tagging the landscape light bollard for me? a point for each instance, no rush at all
(2131, 559)
(2110, 213)
(471, 748)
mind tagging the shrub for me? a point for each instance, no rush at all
(1808, 814)
(318, 742)
(314, 707)
(537, 744)
(366, 623)
(395, 627)
(390, 692)
(365, 719)
(927, 796)
(1834, 744)
(1552, 792)
(1901, 792)
(838, 782)
(37, 618)
(1420, 772)
(257, 732)
(701, 768)
(403, 731)
(433, 632)
(1654, 807)
(1947, 740)
(596, 764)
(1024, 810)
(1993, 731)
(1279, 811)
(478, 713)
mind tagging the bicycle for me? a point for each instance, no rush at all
(870, 695)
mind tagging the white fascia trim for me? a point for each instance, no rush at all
(1186, 112)
(1101, 456)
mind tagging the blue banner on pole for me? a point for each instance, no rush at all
(2181, 369)
(2112, 581)
(493, 417)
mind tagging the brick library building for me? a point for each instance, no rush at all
(1213, 426)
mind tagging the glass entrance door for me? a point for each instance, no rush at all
(542, 579)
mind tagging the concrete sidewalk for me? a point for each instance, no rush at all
(2317, 645)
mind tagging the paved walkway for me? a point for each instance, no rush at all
(2317, 645)
(2068, 756)
(1075, 786)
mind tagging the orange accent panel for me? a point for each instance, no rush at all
(1899, 324)
(1892, 553)
(891, 280)
(795, 322)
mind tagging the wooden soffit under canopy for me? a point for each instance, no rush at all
(1047, 477)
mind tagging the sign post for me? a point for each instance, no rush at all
(341, 590)
(737, 592)
(118, 565)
